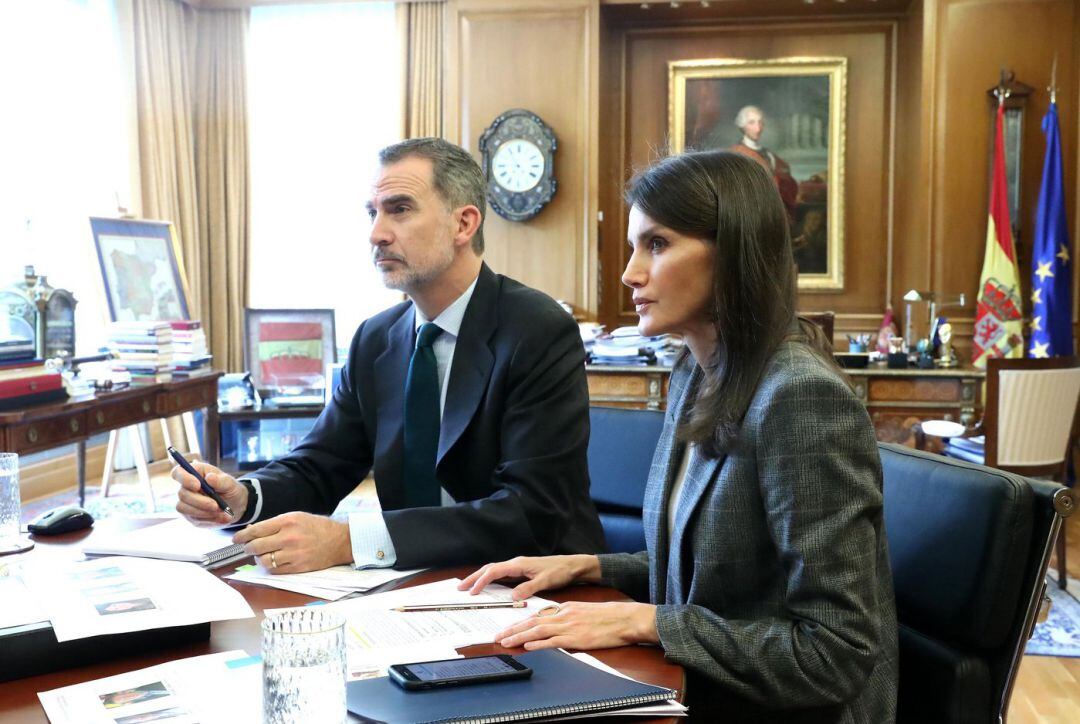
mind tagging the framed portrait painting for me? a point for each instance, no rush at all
(288, 351)
(142, 269)
(788, 115)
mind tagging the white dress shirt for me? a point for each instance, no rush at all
(371, 543)
(370, 539)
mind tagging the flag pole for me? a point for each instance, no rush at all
(1052, 88)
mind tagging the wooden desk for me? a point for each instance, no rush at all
(33, 429)
(895, 398)
(628, 386)
(19, 703)
(898, 398)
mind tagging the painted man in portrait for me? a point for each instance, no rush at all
(751, 121)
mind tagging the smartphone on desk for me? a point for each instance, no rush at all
(458, 672)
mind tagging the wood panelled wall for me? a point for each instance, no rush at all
(540, 55)
(918, 126)
(639, 57)
(965, 45)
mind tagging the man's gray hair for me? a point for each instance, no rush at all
(742, 116)
(455, 174)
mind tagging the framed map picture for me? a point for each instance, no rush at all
(141, 267)
(788, 115)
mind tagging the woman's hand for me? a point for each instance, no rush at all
(542, 573)
(577, 625)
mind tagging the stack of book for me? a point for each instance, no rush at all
(626, 346)
(189, 347)
(29, 383)
(14, 348)
(142, 349)
(590, 332)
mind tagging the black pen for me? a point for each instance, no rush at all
(207, 490)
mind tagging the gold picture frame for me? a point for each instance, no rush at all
(800, 106)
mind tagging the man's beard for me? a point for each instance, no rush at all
(407, 278)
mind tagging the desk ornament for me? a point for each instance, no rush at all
(946, 355)
(898, 358)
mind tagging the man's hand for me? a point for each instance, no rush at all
(297, 542)
(201, 509)
(579, 625)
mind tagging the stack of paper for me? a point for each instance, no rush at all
(330, 583)
(376, 635)
(222, 687)
(117, 595)
(626, 346)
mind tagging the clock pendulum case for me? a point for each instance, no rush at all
(517, 154)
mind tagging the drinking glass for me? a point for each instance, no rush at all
(303, 666)
(9, 498)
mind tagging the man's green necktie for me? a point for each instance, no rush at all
(422, 421)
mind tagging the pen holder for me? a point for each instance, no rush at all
(303, 667)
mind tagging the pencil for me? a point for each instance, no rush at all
(461, 606)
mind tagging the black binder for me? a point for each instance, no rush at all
(32, 649)
(560, 685)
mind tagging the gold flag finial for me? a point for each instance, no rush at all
(1053, 81)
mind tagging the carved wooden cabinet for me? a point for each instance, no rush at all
(895, 399)
(639, 387)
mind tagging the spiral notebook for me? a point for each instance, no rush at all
(560, 686)
(176, 540)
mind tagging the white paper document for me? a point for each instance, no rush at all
(116, 594)
(17, 605)
(378, 636)
(222, 687)
(330, 583)
(175, 540)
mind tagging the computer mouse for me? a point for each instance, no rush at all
(61, 520)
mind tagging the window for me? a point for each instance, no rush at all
(64, 146)
(324, 85)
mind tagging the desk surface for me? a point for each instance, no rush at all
(132, 392)
(19, 703)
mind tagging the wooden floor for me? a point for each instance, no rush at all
(1048, 688)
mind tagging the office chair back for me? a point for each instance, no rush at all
(826, 321)
(1029, 411)
(621, 446)
(969, 547)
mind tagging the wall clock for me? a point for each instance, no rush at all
(517, 152)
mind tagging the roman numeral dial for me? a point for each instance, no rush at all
(518, 165)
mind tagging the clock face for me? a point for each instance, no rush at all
(518, 165)
(517, 157)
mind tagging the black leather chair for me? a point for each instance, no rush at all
(969, 547)
(621, 445)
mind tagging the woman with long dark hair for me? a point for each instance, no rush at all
(767, 573)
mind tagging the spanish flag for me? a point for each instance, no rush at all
(998, 320)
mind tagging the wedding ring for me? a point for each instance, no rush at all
(273, 559)
(549, 610)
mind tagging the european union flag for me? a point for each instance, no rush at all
(1051, 278)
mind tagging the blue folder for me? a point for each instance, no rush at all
(560, 685)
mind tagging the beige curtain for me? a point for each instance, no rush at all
(220, 263)
(192, 118)
(423, 49)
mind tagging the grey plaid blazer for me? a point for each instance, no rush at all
(773, 589)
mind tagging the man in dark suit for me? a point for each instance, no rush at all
(469, 402)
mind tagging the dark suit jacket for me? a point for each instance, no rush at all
(512, 445)
(774, 587)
